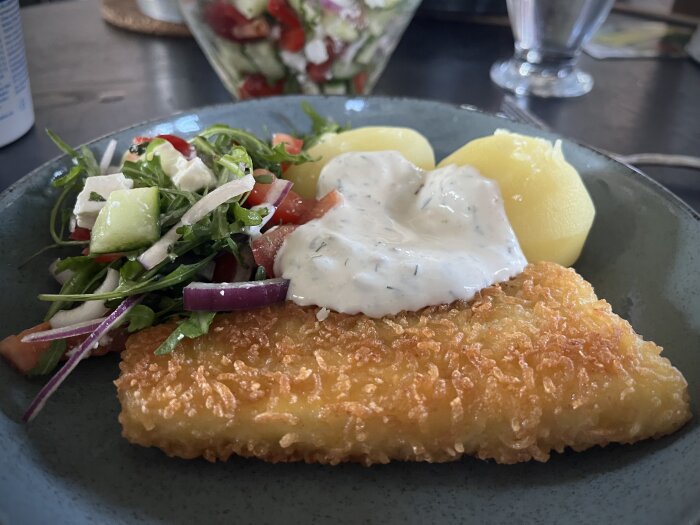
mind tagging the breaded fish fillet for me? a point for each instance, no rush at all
(530, 366)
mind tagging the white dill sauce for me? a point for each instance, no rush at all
(402, 239)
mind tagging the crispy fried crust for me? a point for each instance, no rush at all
(530, 366)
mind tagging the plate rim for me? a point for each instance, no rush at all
(629, 171)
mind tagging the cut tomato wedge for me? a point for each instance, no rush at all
(80, 234)
(24, 356)
(107, 258)
(256, 85)
(254, 30)
(258, 194)
(266, 246)
(222, 17)
(292, 39)
(281, 10)
(292, 209)
(322, 206)
(320, 73)
(104, 258)
(178, 143)
(359, 82)
(292, 145)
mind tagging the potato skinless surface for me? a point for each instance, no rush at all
(530, 366)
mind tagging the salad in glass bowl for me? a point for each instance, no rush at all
(269, 47)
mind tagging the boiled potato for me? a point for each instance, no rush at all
(414, 146)
(546, 202)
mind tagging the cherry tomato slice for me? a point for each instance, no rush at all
(256, 85)
(322, 206)
(80, 234)
(292, 209)
(266, 246)
(178, 143)
(281, 10)
(292, 145)
(359, 82)
(292, 39)
(222, 17)
(253, 30)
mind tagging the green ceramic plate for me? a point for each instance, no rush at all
(71, 465)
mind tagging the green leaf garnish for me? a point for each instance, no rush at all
(319, 125)
(139, 317)
(260, 273)
(197, 324)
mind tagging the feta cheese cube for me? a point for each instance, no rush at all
(193, 175)
(316, 52)
(86, 210)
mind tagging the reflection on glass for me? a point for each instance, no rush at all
(548, 36)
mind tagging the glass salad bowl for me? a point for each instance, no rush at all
(270, 47)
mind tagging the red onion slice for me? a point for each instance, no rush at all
(279, 190)
(80, 352)
(222, 297)
(64, 332)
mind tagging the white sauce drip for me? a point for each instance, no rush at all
(402, 239)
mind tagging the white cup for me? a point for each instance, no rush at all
(16, 110)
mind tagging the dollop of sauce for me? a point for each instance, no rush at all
(402, 239)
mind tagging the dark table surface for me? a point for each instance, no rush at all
(89, 79)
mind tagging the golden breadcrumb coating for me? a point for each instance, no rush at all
(530, 366)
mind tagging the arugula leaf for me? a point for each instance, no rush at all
(196, 325)
(96, 197)
(140, 317)
(57, 227)
(130, 270)
(87, 159)
(237, 164)
(219, 223)
(75, 264)
(262, 154)
(78, 283)
(147, 172)
(260, 274)
(246, 216)
(65, 148)
(67, 178)
(319, 125)
(265, 178)
(179, 275)
(49, 359)
(83, 159)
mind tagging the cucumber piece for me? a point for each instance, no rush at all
(231, 53)
(345, 70)
(339, 28)
(306, 10)
(128, 220)
(264, 56)
(368, 51)
(379, 20)
(335, 88)
(250, 8)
